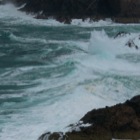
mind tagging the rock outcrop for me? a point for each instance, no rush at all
(121, 121)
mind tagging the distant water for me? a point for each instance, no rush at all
(51, 74)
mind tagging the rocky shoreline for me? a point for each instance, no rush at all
(121, 121)
(121, 11)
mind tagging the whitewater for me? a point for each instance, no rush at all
(52, 74)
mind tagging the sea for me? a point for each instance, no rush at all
(52, 74)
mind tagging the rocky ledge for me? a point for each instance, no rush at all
(121, 121)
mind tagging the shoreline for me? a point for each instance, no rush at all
(121, 121)
(57, 12)
(68, 19)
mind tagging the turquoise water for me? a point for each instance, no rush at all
(51, 74)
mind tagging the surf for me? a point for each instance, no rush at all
(52, 74)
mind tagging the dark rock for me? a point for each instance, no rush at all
(121, 121)
(55, 136)
(65, 8)
(121, 34)
(131, 44)
(112, 119)
(124, 11)
(109, 7)
(135, 104)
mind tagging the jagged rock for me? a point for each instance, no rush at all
(121, 121)
(131, 44)
(121, 34)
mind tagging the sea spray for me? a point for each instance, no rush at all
(109, 47)
(100, 45)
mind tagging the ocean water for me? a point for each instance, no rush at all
(51, 74)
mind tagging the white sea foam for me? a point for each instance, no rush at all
(55, 117)
(105, 50)
(11, 13)
(76, 95)
(100, 23)
(77, 126)
(103, 60)
(91, 23)
(80, 44)
(105, 46)
(27, 40)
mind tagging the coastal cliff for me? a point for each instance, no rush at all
(121, 121)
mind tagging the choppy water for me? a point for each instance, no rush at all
(51, 74)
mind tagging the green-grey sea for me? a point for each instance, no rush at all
(51, 73)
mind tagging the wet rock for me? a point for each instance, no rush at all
(121, 121)
(121, 34)
(131, 44)
(49, 136)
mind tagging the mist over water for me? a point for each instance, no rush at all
(52, 74)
